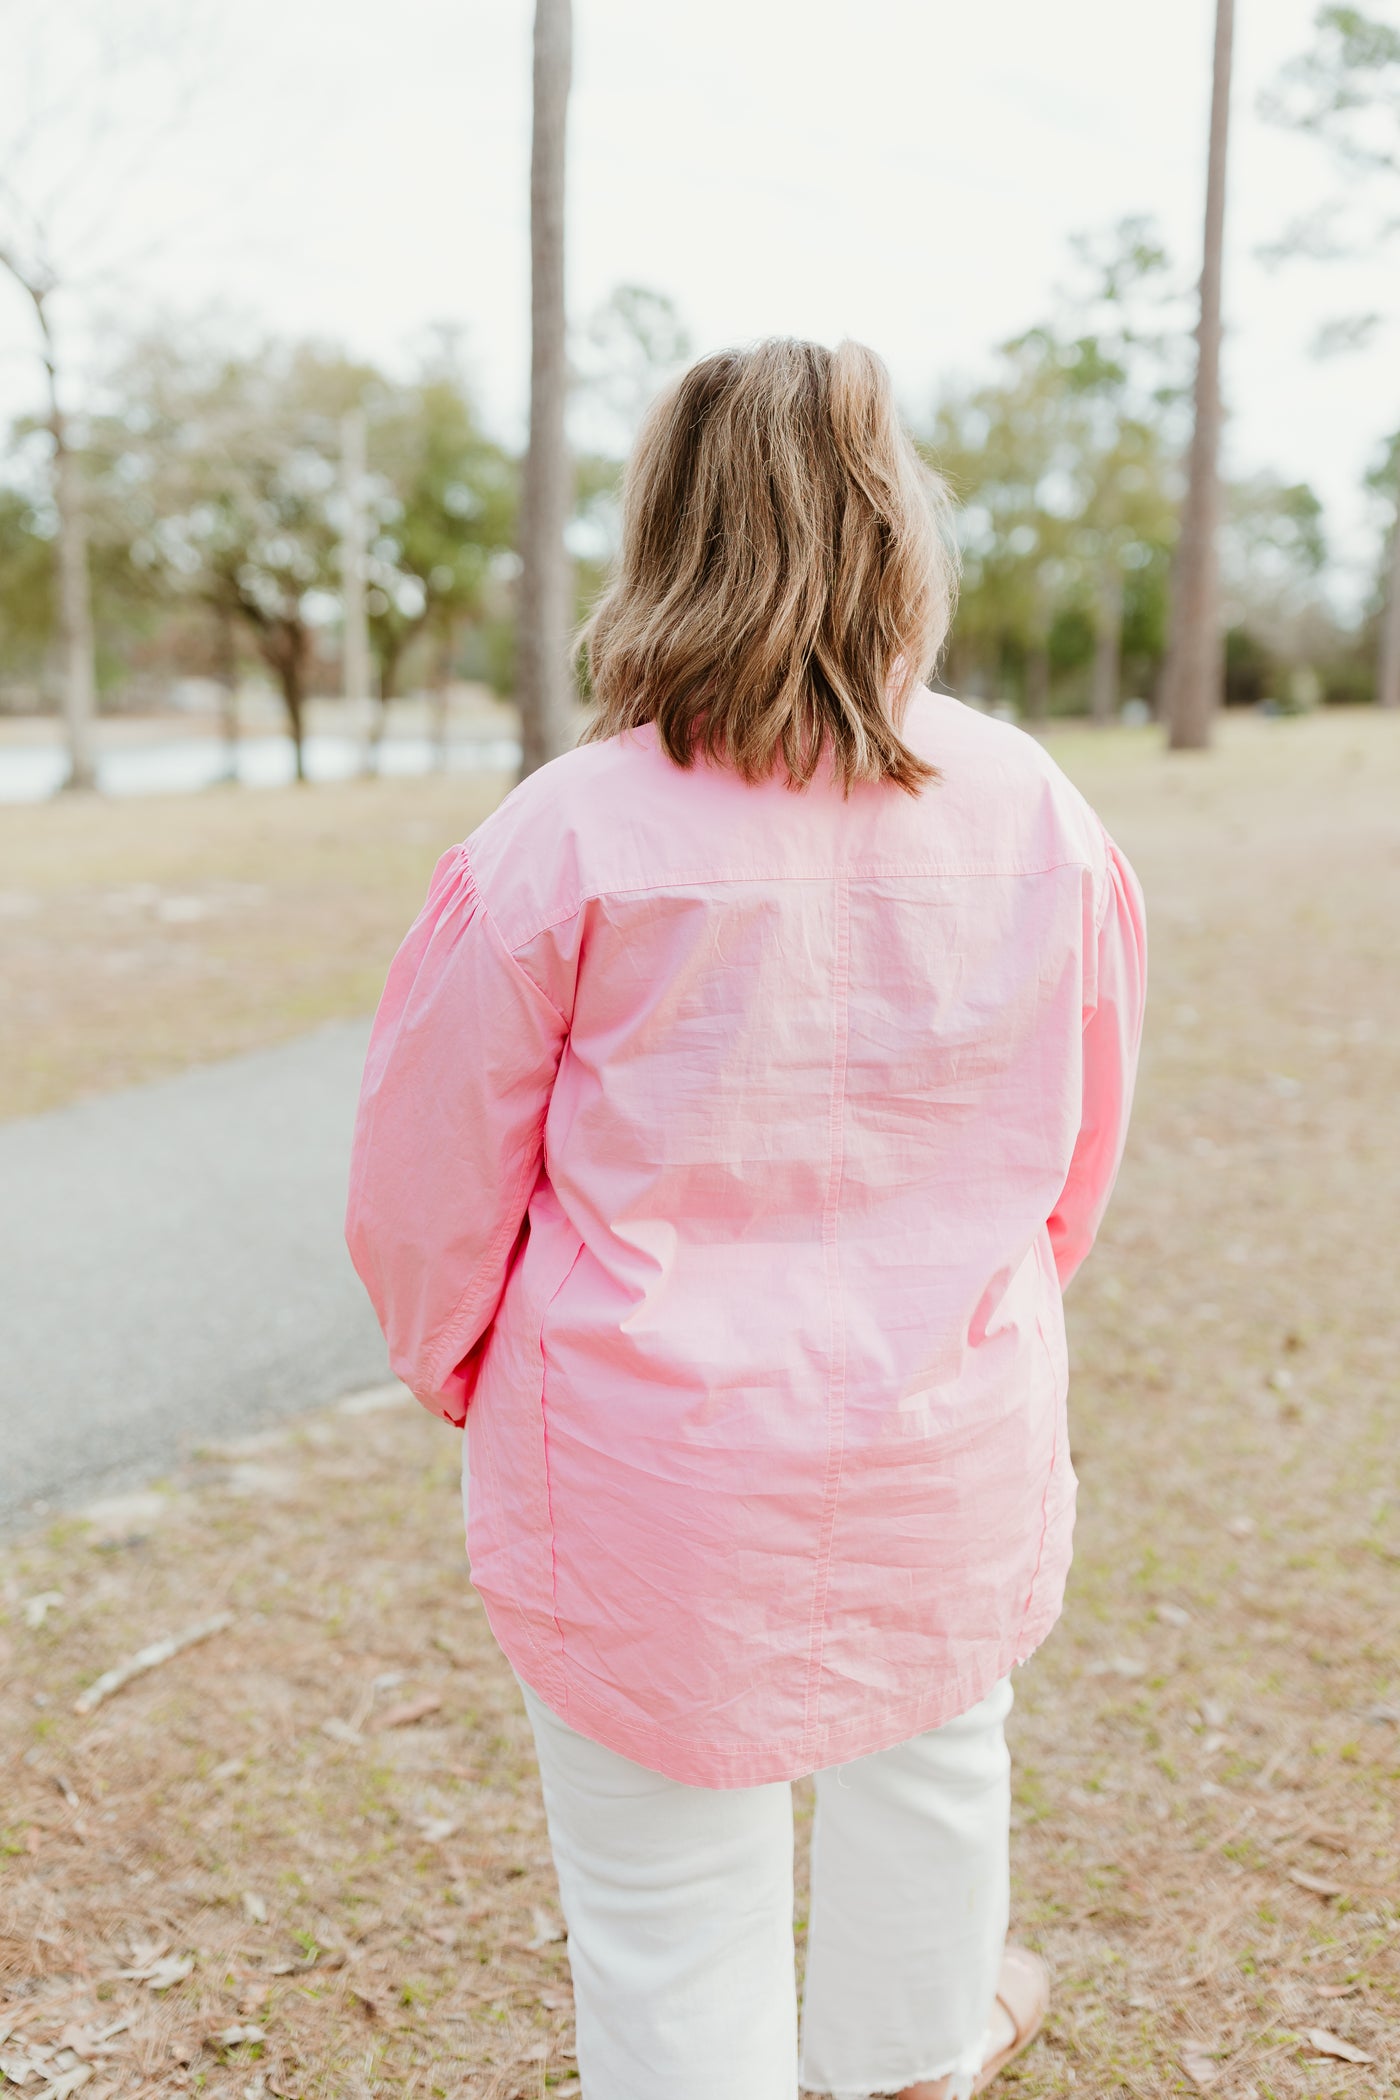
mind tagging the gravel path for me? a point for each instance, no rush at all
(173, 1270)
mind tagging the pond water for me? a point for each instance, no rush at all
(179, 765)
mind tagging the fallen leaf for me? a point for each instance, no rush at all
(411, 1710)
(547, 1930)
(436, 1829)
(143, 1953)
(373, 1399)
(317, 1958)
(163, 1972)
(78, 2041)
(168, 1973)
(1202, 2070)
(1117, 1666)
(1337, 1990)
(121, 1520)
(148, 1658)
(1173, 1615)
(1314, 1883)
(1328, 2044)
(254, 1909)
(37, 1608)
(251, 1481)
(1240, 1527)
(340, 1731)
(1265, 1777)
(69, 2081)
(182, 911)
(235, 2037)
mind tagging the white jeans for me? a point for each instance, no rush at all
(678, 1901)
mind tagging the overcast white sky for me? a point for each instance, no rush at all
(907, 171)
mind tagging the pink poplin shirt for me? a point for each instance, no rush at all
(722, 1154)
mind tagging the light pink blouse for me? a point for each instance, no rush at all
(724, 1151)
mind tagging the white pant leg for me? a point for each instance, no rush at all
(678, 1901)
(909, 1908)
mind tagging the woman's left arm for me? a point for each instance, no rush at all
(449, 1137)
(1112, 1037)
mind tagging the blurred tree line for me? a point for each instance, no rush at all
(210, 509)
(1067, 463)
(216, 512)
(215, 509)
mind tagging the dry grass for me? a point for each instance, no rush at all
(140, 936)
(1207, 1747)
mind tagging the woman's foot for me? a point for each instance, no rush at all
(1023, 1997)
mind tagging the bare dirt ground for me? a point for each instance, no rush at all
(307, 1857)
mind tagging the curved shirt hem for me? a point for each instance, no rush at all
(754, 1764)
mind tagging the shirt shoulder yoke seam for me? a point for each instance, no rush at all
(860, 873)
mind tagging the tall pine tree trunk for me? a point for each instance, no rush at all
(1388, 689)
(1195, 653)
(1108, 641)
(226, 657)
(1037, 679)
(285, 645)
(77, 646)
(445, 663)
(1038, 651)
(361, 721)
(543, 682)
(294, 700)
(390, 657)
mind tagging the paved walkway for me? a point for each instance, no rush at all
(172, 1270)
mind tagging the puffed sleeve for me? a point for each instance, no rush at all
(1112, 1035)
(448, 1137)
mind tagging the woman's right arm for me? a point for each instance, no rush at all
(449, 1137)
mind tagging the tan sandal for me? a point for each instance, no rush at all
(1023, 1993)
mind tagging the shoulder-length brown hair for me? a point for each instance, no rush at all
(786, 576)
